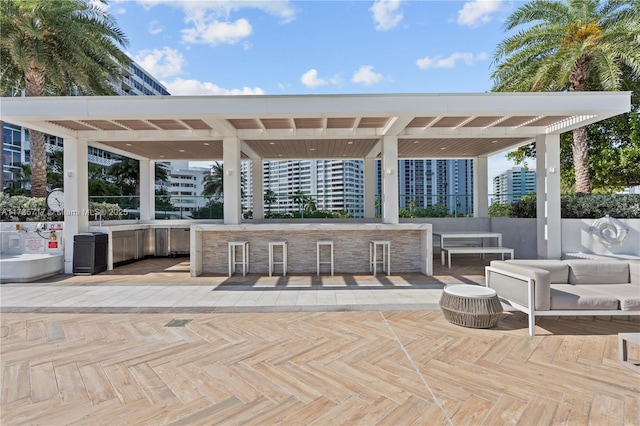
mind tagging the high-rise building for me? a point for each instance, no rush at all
(338, 185)
(333, 185)
(135, 81)
(186, 186)
(512, 184)
(427, 183)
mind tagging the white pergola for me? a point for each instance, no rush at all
(388, 127)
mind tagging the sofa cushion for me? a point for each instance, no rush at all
(569, 296)
(516, 290)
(559, 270)
(586, 271)
(627, 294)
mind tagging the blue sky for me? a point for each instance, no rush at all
(203, 47)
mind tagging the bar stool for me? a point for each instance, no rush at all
(319, 244)
(233, 260)
(385, 245)
(283, 244)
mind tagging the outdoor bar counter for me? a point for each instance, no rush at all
(411, 246)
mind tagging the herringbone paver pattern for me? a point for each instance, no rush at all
(319, 368)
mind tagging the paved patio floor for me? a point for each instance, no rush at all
(147, 345)
(164, 284)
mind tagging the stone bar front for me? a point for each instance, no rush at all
(411, 246)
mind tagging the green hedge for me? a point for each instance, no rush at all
(598, 205)
(592, 206)
(20, 208)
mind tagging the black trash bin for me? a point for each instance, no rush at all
(90, 253)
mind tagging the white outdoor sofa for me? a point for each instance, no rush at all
(567, 287)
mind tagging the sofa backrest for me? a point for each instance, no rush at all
(558, 269)
(584, 271)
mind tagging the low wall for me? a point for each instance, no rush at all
(22, 268)
(577, 238)
(411, 250)
(518, 234)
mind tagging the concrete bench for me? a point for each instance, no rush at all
(474, 250)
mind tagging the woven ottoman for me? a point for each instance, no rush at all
(470, 305)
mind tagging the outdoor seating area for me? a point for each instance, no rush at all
(144, 341)
(248, 330)
(470, 242)
(568, 287)
(194, 232)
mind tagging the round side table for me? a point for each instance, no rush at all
(471, 305)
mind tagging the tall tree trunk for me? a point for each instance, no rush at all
(578, 79)
(581, 161)
(38, 163)
(35, 78)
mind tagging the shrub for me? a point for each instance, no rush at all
(595, 206)
(499, 210)
(20, 208)
(525, 207)
(592, 206)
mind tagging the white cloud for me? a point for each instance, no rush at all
(161, 63)
(281, 9)
(213, 32)
(366, 75)
(209, 22)
(386, 14)
(181, 87)
(155, 27)
(310, 79)
(478, 12)
(107, 7)
(450, 61)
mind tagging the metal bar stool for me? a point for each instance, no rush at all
(385, 245)
(319, 244)
(233, 259)
(283, 244)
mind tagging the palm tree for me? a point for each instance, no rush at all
(269, 199)
(570, 45)
(125, 174)
(298, 198)
(53, 48)
(126, 171)
(309, 204)
(19, 181)
(214, 181)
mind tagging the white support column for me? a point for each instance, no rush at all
(76, 195)
(257, 189)
(549, 221)
(390, 179)
(147, 190)
(231, 182)
(480, 187)
(369, 188)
